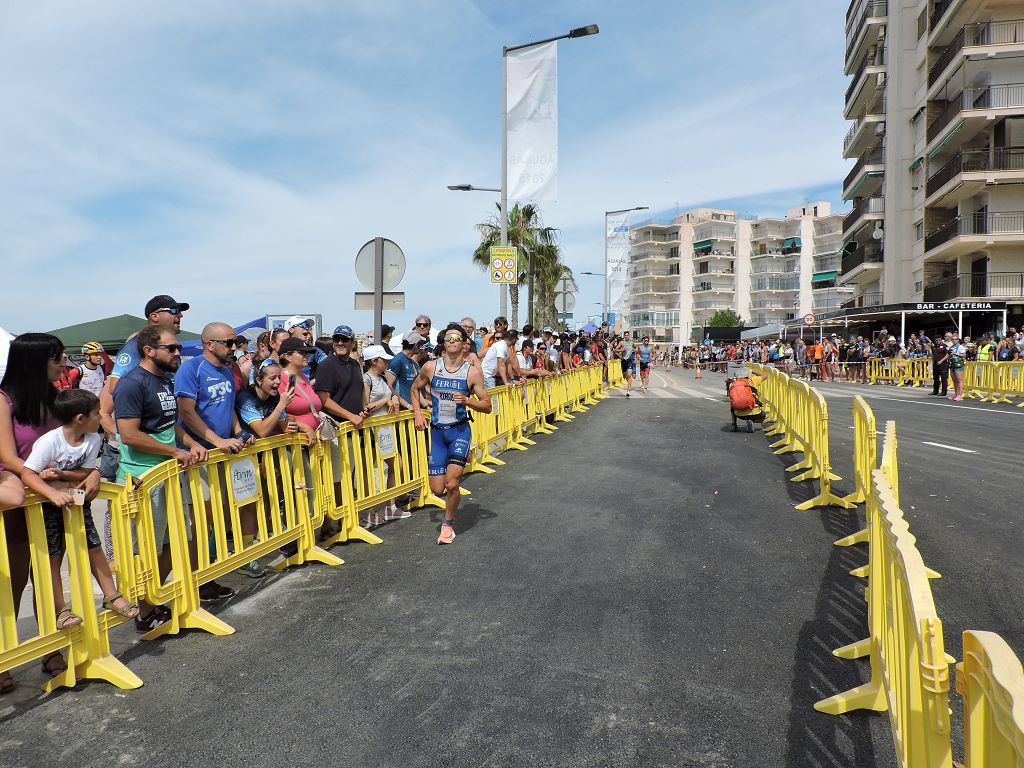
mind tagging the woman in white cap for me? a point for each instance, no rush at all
(380, 399)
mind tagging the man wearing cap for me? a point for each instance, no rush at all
(339, 380)
(404, 367)
(161, 312)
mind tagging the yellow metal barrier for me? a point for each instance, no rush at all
(909, 666)
(865, 454)
(991, 682)
(87, 644)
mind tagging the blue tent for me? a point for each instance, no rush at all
(195, 348)
(589, 328)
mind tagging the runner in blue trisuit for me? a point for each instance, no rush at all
(451, 379)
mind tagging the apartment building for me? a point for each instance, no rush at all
(685, 269)
(937, 187)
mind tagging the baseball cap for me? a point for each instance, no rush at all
(547, 329)
(412, 338)
(294, 345)
(297, 320)
(164, 301)
(386, 329)
(344, 330)
(374, 351)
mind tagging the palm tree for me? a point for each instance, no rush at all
(526, 232)
(548, 272)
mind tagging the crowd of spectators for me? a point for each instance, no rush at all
(65, 426)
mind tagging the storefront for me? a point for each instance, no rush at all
(965, 318)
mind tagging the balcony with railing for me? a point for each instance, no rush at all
(642, 255)
(864, 254)
(870, 299)
(875, 57)
(647, 236)
(877, 9)
(714, 230)
(1009, 160)
(872, 206)
(828, 227)
(776, 266)
(1003, 225)
(716, 286)
(830, 298)
(831, 263)
(874, 156)
(874, 114)
(775, 284)
(977, 285)
(977, 98)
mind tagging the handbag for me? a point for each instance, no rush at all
(327, 429)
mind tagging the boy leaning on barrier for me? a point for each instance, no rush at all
(63, 467)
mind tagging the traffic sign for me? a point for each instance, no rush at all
(808, 319)
(504, 261)
(564, 316)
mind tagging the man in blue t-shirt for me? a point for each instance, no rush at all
(405, 366)
(205, 389)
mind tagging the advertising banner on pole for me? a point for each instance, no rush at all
(617, 245)
(532, 83)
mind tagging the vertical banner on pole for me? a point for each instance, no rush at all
(617, 245)
(532, 87)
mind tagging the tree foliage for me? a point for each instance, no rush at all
(725, 318)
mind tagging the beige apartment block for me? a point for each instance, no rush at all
(936, 100)
(683, 270)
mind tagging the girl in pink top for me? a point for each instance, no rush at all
(305, 406)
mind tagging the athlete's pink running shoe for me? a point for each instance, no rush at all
(447, 534)
(958, 398)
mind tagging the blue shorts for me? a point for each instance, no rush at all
(448, 446)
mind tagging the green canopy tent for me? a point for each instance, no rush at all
(111, 332)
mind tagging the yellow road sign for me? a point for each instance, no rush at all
(503, 264)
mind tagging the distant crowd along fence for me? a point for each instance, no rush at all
(987, 382)
(293, 488)
(904, 644)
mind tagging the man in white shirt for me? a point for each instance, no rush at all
(495, 362)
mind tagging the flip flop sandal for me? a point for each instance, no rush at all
(66, 619)
(48, 666)
(130, 611)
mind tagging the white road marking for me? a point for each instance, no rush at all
(918, 401)
(950, 447)
(713, 399)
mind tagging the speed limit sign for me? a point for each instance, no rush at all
(808, 319)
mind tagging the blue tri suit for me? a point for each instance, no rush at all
(450, 431)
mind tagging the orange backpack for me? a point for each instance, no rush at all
(741, 396)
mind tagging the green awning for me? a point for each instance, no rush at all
(791, 242)
(821, 277)
(853, 192)
(916, 164)
(945, 141)
(111, 332)
(703, 244)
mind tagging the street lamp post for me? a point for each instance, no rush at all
(590, 29)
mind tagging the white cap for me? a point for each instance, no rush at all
(374, 351)
(296, 320)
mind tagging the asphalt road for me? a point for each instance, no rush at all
(635, 590)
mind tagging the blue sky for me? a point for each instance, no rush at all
(237, 154)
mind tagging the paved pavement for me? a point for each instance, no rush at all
(636, 590)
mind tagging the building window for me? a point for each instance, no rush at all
(917, 286)
(919, 230)
(922, 23)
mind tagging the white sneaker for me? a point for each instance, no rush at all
(396, 513)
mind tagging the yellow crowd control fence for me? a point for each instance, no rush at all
(174, 529)
(991, 681)
(987, 382)
(799, 416)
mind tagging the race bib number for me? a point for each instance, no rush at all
(245, 480)
(387, 445)
(446, 410)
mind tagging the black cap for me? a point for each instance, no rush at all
(164, 302)
(291, 344)
(386, 329)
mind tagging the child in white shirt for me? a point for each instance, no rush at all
(64, 465)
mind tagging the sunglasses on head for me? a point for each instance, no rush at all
(268, 362)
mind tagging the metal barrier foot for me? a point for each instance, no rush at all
(860, 573)
(109, 669)
(361, 534)
(857, 497)
(464, 492)
(826, 499)
(860, 537)
(199, 618)
(868, 696)
(491, 460)
(858, 650)
(312, 554)
(811, 474)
